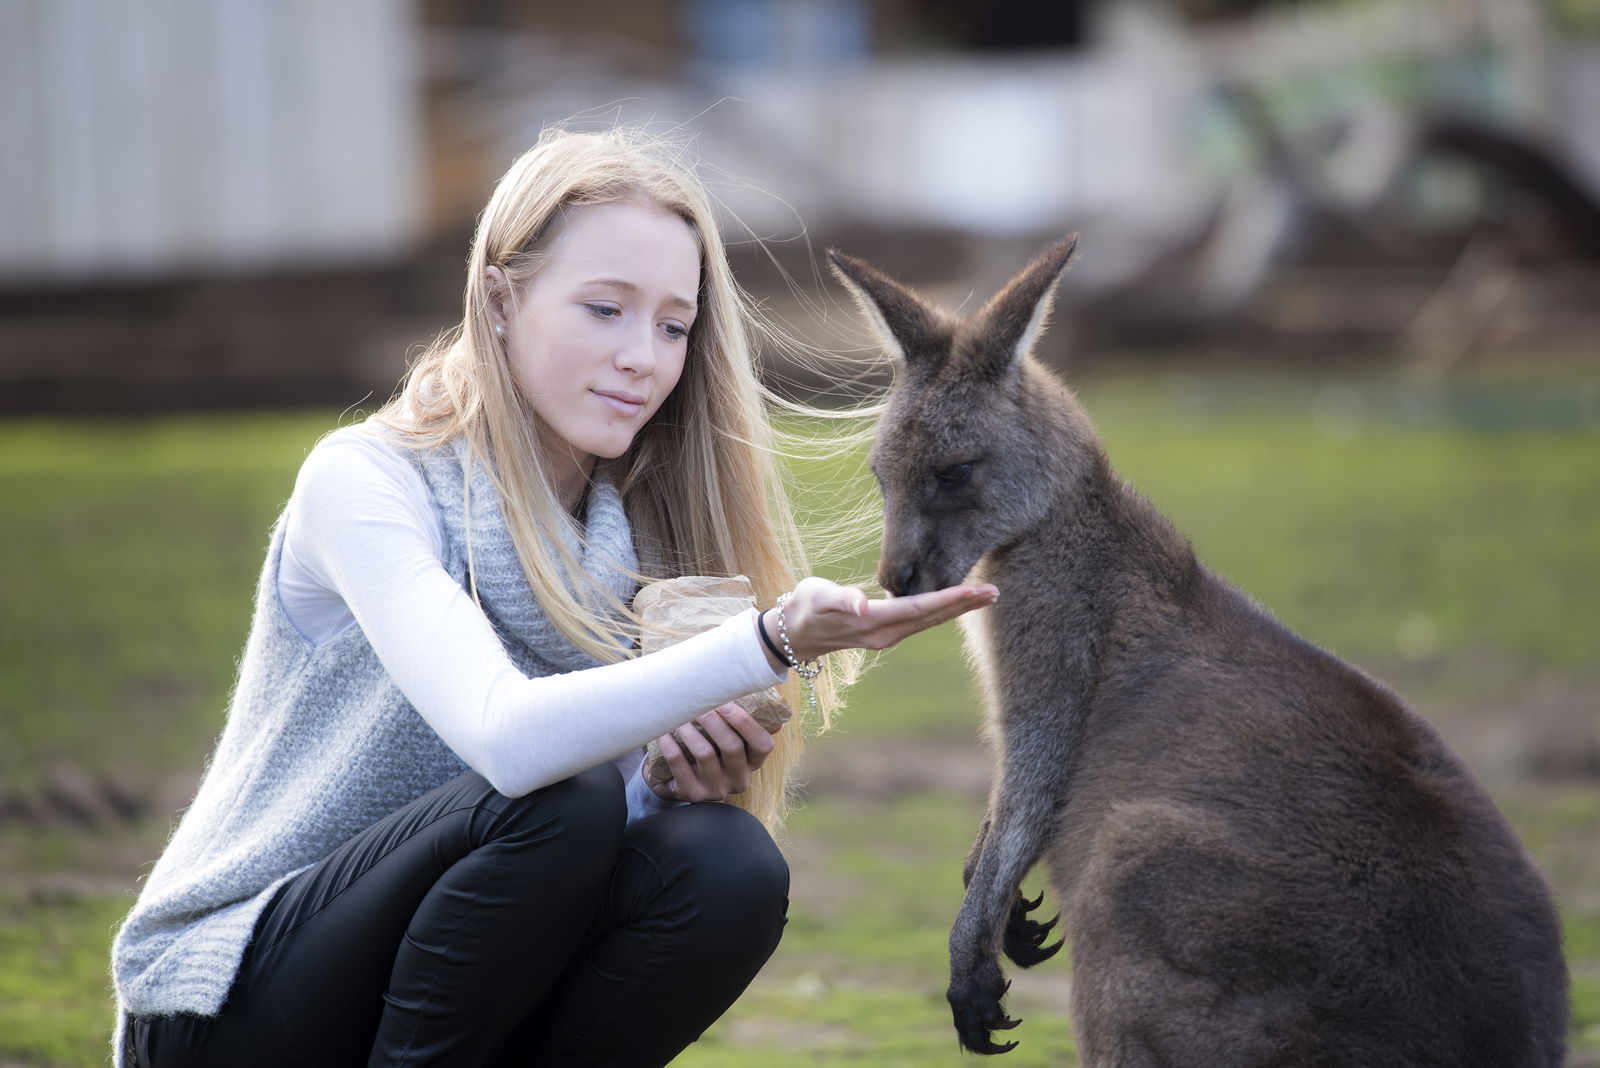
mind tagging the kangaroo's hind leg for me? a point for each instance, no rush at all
(1171, 965)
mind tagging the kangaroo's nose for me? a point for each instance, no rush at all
(904, 579)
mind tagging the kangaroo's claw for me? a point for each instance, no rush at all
(1024, 938)
(1027, 954)
(975, 1006)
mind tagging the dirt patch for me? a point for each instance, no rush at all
(765, 1032)
(883, 768)
(68, 796)
(1549, 734)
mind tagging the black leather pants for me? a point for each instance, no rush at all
(469, 929)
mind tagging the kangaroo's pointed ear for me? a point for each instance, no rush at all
(909, 329)
(1010, 324)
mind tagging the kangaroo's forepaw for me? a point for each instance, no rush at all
(975, 1004)
(1024, 938)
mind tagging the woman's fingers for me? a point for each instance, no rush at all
(714, 756)
(696, 772)
(678, 763)
(708, 770)
(932, 612)
(945, 603)
(839, 617)
(756, 740)
(731, 749)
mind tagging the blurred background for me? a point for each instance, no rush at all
(1337, 311)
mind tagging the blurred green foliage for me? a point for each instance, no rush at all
(1580, 15)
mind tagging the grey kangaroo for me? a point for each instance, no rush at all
(1262, 856)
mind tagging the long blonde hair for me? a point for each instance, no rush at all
(699, 482)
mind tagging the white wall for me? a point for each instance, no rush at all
(141, 137)
(1579, 103)
(991, 143)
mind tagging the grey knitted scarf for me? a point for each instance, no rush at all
(606, 553)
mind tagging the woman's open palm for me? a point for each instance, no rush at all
(823, 616)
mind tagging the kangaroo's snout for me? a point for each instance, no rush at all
(899, 577)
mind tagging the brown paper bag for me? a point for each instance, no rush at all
(674, 609)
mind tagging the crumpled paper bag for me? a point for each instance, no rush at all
(674, 609)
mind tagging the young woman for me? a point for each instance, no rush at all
(423, 837)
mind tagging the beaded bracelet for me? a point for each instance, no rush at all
(808, 669)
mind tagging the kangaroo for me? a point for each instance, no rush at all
(1262, 856)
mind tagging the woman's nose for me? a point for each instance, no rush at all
(637, 354)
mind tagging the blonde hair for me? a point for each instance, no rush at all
(699, 482)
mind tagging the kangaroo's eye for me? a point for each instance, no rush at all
(954, 475)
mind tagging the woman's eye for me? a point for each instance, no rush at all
(954, 475)
(603, 311)
(674, 331)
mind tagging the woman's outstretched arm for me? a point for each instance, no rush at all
(355, 528)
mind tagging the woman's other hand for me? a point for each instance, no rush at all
(823, 616)
(713, 756)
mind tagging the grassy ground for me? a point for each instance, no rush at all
(1443, 539)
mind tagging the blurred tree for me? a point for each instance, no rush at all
(1580, 15)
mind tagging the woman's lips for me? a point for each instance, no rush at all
(628, 404)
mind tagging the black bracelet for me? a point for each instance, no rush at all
(761, 625)
(806, 669)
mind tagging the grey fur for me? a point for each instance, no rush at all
(1262, 855)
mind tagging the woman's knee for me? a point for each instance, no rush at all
(750, 858)
(725, 861)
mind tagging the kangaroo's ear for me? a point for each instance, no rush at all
(1007, 327)
(909, 329)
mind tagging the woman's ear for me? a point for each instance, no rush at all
(499, 296)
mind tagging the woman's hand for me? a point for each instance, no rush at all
(713, 756)
(824, 616)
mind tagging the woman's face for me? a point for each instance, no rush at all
(598, 336)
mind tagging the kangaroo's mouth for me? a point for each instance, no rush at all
(902, 575)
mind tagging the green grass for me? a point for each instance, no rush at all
(134, 549)
(53, 981)
(1451, 536)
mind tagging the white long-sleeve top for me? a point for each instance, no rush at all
(363, 547)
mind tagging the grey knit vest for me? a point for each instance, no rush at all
(319, 744)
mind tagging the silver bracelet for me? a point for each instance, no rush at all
(807, 669)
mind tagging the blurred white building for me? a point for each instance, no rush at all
(148, 137)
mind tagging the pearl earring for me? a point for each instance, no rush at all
(500, 328)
